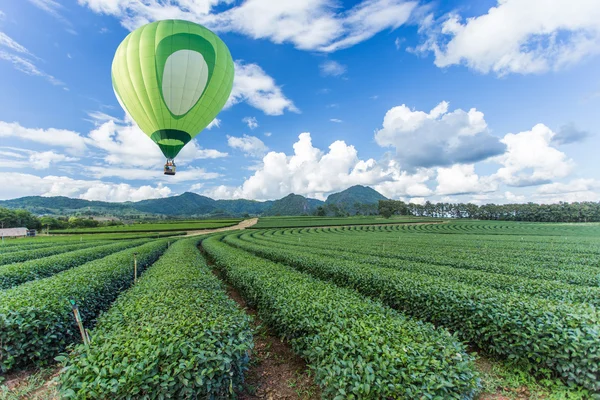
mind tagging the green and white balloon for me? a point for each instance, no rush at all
(173, 77)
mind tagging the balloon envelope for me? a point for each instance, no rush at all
(173, 77)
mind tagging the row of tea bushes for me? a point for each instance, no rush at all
(175, 334)
(34, 254)
(538, 333)
(36, 320)
(357, 347)
(18, 273)
(543, 288)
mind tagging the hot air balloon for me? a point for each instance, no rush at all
(173, 77)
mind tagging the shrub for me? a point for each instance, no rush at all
(176, 334)
(36, 320)
(357, 347)
(18, 273)
(538, 333)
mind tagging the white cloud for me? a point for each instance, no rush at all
(308, 24)
(123, 192)
(530, 159)
(336, 120)
(401, 183)
(332, 68)
(156, 174)
(462, 179)
(517, 36)
(196, 186)
(252, 85)
(42, 160)
(7, 41)
(70, 140)
(251, 122)
(18, 185)
(250, 145)
(576, 185)
(16, 55)
(514, 198)
(11, 154)
(398, 43)
(267, 134)
(50, 6)
(480, 199)
(576, 190)
(27, 67)
(125, 144)
(437, 138)
(215, 123)
(309, 171)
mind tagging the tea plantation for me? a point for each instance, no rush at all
(388, 311)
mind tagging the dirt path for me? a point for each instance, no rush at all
(275, 371)
(242, 225)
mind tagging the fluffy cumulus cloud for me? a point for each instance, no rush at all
(437, 138)
(252, 85)
(462, 179)
(308, 24)
(125, 144)
(530, 158)
(401, 184)
(113, 149)
(309, 171)
(250, 145)
(575, 190)
(42, 160)
(517, 36)
(18, 185)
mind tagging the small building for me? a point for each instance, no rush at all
(14, 232)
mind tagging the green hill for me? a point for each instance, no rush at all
(191, 205)
(356, 194)
(293, 204)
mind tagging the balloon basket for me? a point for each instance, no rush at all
(170, 167)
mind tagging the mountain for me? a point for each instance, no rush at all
(356, 194)
(183, 204)
(293, 204)
(191, 205)
(243, 206)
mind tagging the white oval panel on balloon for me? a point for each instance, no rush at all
(184, 79)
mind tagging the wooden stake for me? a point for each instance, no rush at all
(134, 267)
(82, 331)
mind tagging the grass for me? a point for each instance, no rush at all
(500, 378)
(37, 385)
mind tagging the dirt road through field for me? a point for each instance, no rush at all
(242, 225)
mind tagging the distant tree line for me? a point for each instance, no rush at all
(18, 219)
(561, 212)
(345, 210)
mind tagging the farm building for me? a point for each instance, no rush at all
(13, 232)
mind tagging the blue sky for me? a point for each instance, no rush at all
(480, 101)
